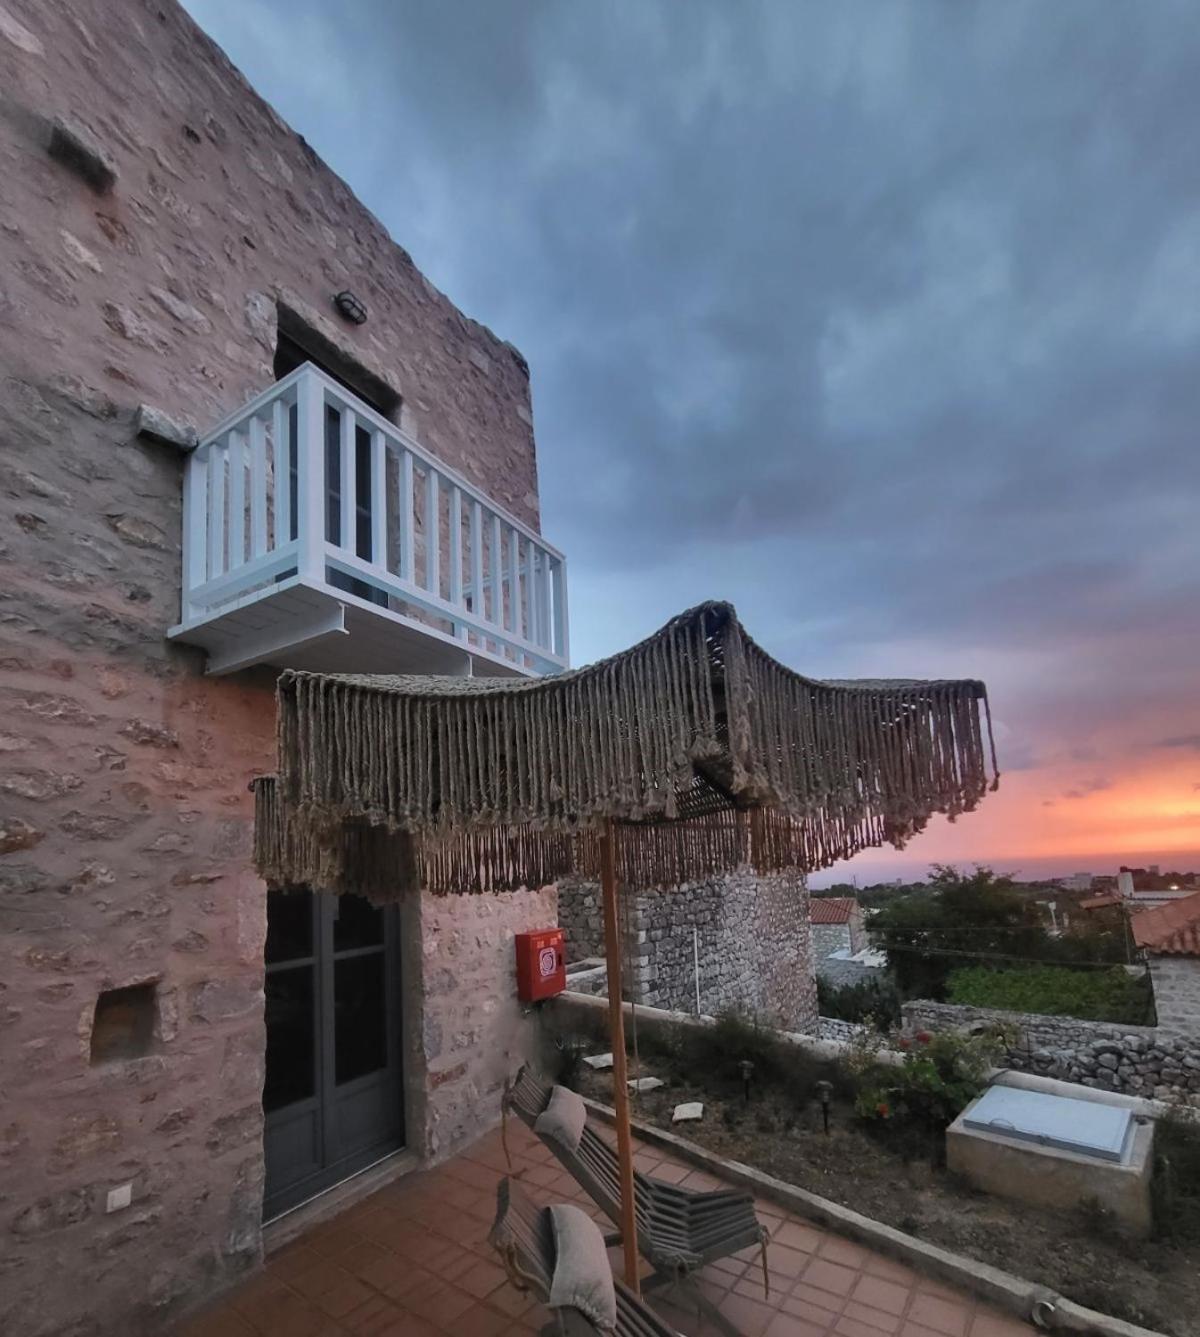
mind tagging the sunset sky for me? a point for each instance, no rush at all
(880, 320)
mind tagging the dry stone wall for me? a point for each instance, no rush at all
(581, 919)
(1138, 1060)
(752, 937)
(1176, 983)
(145, 291)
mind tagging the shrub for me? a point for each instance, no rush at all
(1175, 1186)
(1091, 995)
(939, 1076)
(716, 1052)
(872, 1002)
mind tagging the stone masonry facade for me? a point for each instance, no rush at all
(753, 940)
(468, 1034)
(1137, 1060)
(157, 221)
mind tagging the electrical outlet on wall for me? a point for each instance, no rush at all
(119, 1198)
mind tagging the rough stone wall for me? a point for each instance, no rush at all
(1176, 983)
(581, 919)
(754, 946)
(1139, 1060)
(467, 1033)
(124, 816)
(828, 938)
(842, 973)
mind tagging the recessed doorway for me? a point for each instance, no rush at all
(333, 1095)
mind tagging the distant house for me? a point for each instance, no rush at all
(1170, 937)
(841, 951)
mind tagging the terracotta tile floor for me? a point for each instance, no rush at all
(413, 1259)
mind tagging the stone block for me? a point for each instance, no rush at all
(157, 425)
(75, 149)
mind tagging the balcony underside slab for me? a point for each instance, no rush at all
(296, 625)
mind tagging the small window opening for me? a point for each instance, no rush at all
(124, 1024)
(298, 342)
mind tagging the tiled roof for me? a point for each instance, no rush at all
(831, 909)
(1099, 902)
(1170, 930)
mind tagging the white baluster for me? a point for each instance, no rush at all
(237, 499)
(433, 534)
(282, 505)
(195, 525)
(515, 602)
(216, 511)
(456, 555)
(379, 555)
(544, 638)
(311, 489)
(497, 613)
(349, 480)
(477, 604)
(561, 628)
(407, 518)
(258, 487)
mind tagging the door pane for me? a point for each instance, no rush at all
(289, 925)
(357, 923)
(291, 1074)
(360, 1019)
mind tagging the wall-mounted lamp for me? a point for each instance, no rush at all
(350, 307)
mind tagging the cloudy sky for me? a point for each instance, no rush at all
(881, 320)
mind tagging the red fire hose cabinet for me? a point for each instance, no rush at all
(541, 966)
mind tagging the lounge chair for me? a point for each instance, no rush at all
(523, 1236)
(679, 1229)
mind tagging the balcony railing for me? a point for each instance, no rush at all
(307, 503)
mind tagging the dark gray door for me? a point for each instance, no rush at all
(333, 1095)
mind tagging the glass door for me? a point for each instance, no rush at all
(333, 1094)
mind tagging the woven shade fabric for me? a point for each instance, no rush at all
(709, 753)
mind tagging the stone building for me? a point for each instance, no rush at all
(1170, 937)
(837, 925)
(736, 942)
(171, 253)
(842, 951)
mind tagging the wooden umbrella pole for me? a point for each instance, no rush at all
(612, 957)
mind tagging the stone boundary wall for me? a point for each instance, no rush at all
(1137, 1060)
(1176, 984)
(833, 1028)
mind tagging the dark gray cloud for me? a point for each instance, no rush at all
(881, 320)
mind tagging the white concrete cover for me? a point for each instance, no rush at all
(1083, 1126)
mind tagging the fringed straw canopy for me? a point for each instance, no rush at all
(708, 752)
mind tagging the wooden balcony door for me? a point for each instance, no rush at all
(333, 1095)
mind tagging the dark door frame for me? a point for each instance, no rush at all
(332, 1165)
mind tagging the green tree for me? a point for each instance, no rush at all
(958, 919)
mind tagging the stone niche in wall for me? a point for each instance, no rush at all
(124, 1023)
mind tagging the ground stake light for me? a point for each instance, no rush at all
(824, 1091)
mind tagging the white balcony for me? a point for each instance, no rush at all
(316, 535)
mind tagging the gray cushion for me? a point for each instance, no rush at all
(582, 1277)
(563, 1118)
